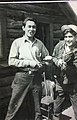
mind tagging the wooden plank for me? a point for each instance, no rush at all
(11, 23)
(30, 8)
(15, 14)
(14, 30)
(37, 8)
(18, 12)
(20, 15)
(59, 19)
(57, 34)
(15, 33)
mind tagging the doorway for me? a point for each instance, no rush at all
(43, 33)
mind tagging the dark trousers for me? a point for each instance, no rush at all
(22, 84)
(71, 90)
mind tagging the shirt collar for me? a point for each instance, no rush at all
(25, 39)
(62, 44)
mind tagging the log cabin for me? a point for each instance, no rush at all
(50, 17)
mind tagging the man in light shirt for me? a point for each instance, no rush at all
(26, 53)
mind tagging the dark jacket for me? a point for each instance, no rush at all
(71, 59)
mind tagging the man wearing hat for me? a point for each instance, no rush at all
(65, 62)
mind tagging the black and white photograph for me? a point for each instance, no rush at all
(38, 60)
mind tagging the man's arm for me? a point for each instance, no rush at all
(14, 58)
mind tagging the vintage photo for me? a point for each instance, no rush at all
(38, 60)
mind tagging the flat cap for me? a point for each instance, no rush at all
(68, 27)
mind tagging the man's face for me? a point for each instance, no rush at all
(69, 39)
(30, 28)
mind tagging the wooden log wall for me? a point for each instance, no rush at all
(49, 14)
(45, 13)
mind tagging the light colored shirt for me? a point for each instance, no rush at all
(23, 51)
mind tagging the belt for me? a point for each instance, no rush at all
(29, 70)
